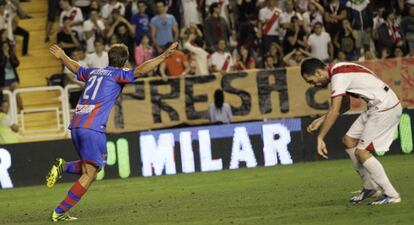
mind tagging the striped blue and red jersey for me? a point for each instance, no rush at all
(102, 88)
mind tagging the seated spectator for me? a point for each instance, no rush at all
(10, 23)
(67, 38)
(175, 65)
(14, 5)
(276, 52)
(93, 28)
(141, 22)
(219, 111)
(187, 31)
(124, 32)
(98, 59)
(398, 52)
(79, 56)
(295, 36)
(74, 14)
(221, 60)
(320, 44)
(341, 57)
(110, 6)
(313, 15)
(296, 57)
(389, 36)
(144, 51)
(163, 27)
(368, 55)
(199, 55)
(245, 60)
(345, 40)
(215, 27)
(8, 130)
(269, 62)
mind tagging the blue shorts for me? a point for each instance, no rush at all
(90, 145)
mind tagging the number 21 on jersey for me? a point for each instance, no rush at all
(92, 87)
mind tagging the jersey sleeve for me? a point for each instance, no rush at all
(340, 85)
(83, 74)
(125, 76)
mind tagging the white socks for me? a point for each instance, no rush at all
(368, 182)
(377, 172)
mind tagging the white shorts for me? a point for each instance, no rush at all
(376, 129)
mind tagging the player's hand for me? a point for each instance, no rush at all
(170, 50)
(322, 150)
(314, 125)
(57, 51)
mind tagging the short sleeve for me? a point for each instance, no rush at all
(125, 76)
(83, 74)
(340, 85)
(174, 22)
(153, 22)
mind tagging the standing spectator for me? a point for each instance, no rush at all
(295, 36)
(223, 6)
(141, 22)
(14, 5)
(74, 14)
(219, 111)
(246, 9)
(360, 17)
(175, 65)
(245, 60)
(143, 51)
(124, 32)
(313, 15)
(164, 27)
(288, 13)
(199, 55)
(8, 64)
(215, 27)
(220, 60)
(98, 59)
(52, 12)
(8, 130)
(345, 41)
(320, 44)
(407, 28)
(110, 6)
(295, 57)
(269, 17)
(187, 31)
(191, 14)
(248, 32)
(67, 38)
(93, 28)
(389, 35)
(335, 12)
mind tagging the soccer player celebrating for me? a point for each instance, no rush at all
(89, 122)
(373, 130)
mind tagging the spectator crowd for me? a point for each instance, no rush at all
(233, 35)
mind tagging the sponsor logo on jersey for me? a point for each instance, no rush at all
(84, 109)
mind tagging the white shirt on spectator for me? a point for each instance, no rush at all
(88, 25)
(200, 58)
(107, 9)
(6, 21)
(75, 14)
(223, 115)
(265, 14)
(286, 17)
(319, 45)
(316, 17)
(95, 61)
(218, 59)
(190, 12)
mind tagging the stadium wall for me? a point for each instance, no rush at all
(191, 149)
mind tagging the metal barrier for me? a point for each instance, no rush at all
(59, 131)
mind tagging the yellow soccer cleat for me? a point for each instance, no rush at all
(61, 217)
(55, 172)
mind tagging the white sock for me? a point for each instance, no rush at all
(367, 180)
(378, 174)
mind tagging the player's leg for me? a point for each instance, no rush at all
(370, 188)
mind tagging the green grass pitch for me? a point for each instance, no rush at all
(304, 193)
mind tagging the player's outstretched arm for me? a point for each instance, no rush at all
(71, 64)
(151, 64)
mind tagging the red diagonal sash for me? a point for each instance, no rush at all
(226, 64)
(270, 23)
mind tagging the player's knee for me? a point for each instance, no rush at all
(362, 155)
(349, 142)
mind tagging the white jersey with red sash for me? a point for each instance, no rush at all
(222, 61)
(271, 20)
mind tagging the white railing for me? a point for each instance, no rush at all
(60, 129)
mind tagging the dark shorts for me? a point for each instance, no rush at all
(90, 146)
